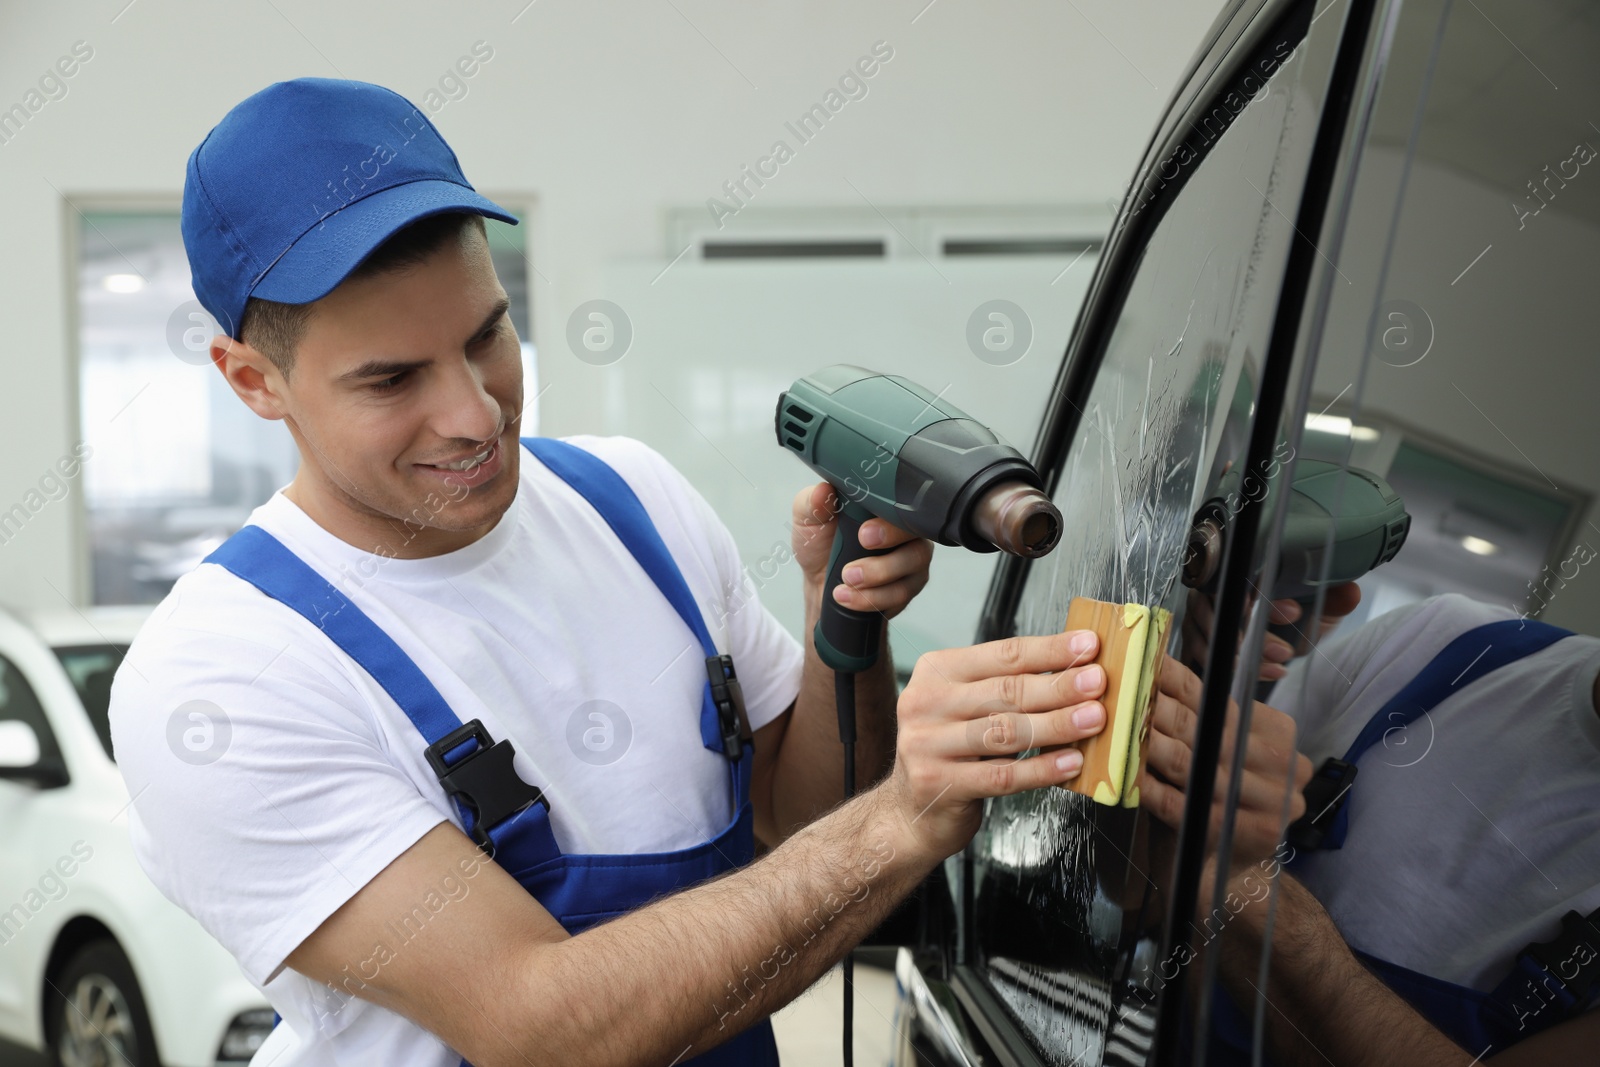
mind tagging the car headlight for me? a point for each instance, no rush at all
(245, 1034)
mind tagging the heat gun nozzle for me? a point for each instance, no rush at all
(1204, 554)
(1017, 518)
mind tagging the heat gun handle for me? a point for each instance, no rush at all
(1293, 633)
(847, 640)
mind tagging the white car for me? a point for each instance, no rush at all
(96, 966)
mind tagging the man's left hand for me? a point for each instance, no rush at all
(885, 583)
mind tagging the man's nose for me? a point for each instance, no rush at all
(466, 410)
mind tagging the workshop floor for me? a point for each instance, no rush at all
(807, 1029)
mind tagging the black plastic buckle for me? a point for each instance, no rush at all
(1572, 957)
(728, 696)
(1325, 796)
(484, 779)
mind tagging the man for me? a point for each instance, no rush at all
(315, 722)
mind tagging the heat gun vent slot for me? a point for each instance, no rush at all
(1395, 538)
(795, 426)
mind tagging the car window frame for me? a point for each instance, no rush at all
(58, 654)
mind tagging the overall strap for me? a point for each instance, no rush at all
(483, 790)
(1463, 661)
(617, 503)
(262, 560)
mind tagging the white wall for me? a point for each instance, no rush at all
(606, 116)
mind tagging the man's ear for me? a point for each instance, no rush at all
(252, 376)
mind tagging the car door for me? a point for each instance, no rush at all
(27, 884)
(1061, 947)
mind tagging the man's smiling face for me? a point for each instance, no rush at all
(397, 373)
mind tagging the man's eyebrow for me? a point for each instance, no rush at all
(388, 368)
(501, 306)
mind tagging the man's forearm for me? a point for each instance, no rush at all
(672, 979)
(1323, 1005)
(809, 777)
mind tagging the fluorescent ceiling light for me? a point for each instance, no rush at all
(1341, 426)
(1478, 546)
(123, 283)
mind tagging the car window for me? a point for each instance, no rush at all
(18, 701)
(1066, 893)
(91, 668)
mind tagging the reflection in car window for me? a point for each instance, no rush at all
(91, 668)
(1065, 912)
(1458, 363)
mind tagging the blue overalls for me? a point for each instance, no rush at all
(1541, 989)
(505, 815)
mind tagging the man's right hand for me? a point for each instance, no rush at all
(967, 711)
(499, 980)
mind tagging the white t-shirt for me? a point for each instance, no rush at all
(262, 820)
(1474, 829)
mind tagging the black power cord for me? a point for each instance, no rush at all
(848, 641)
(844, 696)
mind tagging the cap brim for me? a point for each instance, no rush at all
(325, 255)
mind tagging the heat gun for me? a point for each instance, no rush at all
(892, 449)
(1368, 520)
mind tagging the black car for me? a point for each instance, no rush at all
(1364, 235)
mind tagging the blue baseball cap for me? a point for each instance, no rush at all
(301, 182)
